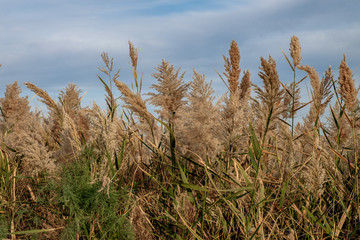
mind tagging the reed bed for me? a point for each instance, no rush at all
(240, 166)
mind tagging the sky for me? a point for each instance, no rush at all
(52, 43)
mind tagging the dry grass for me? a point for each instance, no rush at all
(235, 168)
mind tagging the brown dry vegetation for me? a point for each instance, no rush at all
(235, 168)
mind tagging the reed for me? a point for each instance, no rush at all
(198, 167)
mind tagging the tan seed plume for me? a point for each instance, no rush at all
(295, 51)
(321, 93)
(133, 101)
(232, 67)
(108, 63)
(347, 91)
(170, 90)
(315, 108)
(133, 52)
(46, 99)
(270, 77)
(313, 75)
(245, 86)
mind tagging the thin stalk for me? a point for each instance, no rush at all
(356, 161)
(13, 209)
(172, 142)
(293, 105)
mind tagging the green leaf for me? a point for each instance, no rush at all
(119, 159)
(193, 187)
(334, 118)
(257, 229)
(255, 144)
(327, 225)
(236, 195)
(164, 124)
(245, 176)
(182, 174)
(253, 160)
(34, 231)
(316, 221)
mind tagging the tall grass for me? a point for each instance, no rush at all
(235, 168)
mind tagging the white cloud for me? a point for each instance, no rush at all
(65, 38)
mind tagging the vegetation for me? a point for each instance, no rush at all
(242, 167)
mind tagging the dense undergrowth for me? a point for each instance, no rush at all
(240, 167)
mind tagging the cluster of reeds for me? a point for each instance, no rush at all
(244, 166)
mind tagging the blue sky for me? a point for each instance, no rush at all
(52, 43)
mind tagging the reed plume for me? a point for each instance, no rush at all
(321, 94)
(70, 99)
(170, 89)
(271, 95)
(46, 99)
(270, 107)
(23, 131)
(133, 52)
(14, 108)
(235, 116)
(109, 64)
(234, 112)
(199, 118)
(133, 101)
(70, 141)
(232, 67)
(347, 90)
(295, 51)
(106, 135)
(56, 113)
(245, 87)
(108, 70)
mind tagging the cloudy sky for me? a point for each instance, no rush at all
(52, 43)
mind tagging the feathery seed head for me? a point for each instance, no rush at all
(271, 81)
(70, 98)
(321, 93)
(326, 84)
(295, 50)
(313, 75)
(171, 89)
(232, 67)
(46, 99)
(347, 91)
(245, 85)
(13, 107)
(108, 63)
(133, 52)
(271, 105)
(133, 101)
(234, 54)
